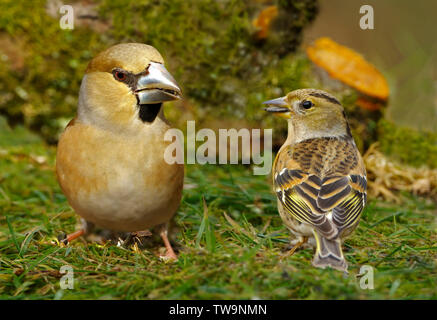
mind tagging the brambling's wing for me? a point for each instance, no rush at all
(298, 191)
(347, 213)
(318, 176)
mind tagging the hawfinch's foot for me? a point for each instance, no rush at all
(67, 238)
(170, 254)
(134, 237)
(85, 228)
(140, 234)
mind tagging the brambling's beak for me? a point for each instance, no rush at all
(278, 106)
(157, 86)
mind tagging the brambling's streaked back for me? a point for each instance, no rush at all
(318, 175)
(110, 160)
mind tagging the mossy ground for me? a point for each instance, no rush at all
(408, 145)
(218, 258)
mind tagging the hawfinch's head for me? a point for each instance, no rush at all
(124, 84)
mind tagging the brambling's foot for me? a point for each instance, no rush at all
(310, 243)
(300, 242)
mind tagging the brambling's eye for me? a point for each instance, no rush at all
(119, 75)
(307, 104)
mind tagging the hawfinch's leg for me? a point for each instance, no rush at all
(133, 237)
(67, 238)
(163, 232)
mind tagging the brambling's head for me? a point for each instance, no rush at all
(314, 113)
(126, 83)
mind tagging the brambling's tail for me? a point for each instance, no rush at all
(329, 253)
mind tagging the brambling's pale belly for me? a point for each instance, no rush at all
(118, 183)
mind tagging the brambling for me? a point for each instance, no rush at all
(110, 159)
(319, 176)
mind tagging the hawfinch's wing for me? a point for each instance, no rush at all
(319, 176)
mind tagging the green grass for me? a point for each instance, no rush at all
(230, 249)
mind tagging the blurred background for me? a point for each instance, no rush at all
(403, 46)
(229, 57)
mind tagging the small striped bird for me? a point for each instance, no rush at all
(319, 176)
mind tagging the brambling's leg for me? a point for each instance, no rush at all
(163, 232)
(300, 243)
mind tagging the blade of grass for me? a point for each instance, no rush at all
(263, 236)
(209, 234)
(385, 219)
(390, 254)
(14, 239)
(201, 230)
(51, 251)
(26, 241)
(417, 234)
(239, 229)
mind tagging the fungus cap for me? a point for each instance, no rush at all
(263, 21)
(349, 67)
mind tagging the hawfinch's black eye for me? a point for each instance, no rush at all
(307, 104)
(119, 75)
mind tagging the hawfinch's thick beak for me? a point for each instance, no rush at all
(157, 85)
(278, 105)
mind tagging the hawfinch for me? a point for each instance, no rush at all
(110, 159)
(318, 175)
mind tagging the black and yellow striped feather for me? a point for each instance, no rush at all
(320, 176)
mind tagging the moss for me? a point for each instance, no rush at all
(363, 122)
(286, 30)
(45, 87)
(408, 145)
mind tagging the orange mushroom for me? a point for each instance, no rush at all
(263, 21)
(350, 68)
